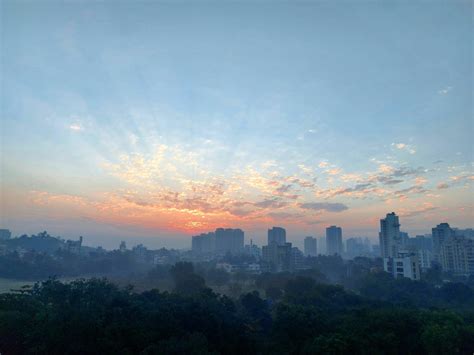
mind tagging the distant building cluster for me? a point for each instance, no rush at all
(403, 256)
(279, 255)
(219, 242)
(450, 248)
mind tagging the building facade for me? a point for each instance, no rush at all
(222, 241)
(440, 234)
(389, 236)
(334, 240)
(457, 255)
(310, 246)
(403, 265)
(277, 257)
(204, 243)
(276, 235)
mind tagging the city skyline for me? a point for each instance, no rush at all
(158, 122)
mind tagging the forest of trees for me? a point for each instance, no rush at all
(296, 315)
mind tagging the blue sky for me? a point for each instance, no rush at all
(157, 120)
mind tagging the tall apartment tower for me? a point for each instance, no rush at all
(310, 246)
(391, 242)
(334, 240)
(229, 240)
(441, 233)
(277, 235)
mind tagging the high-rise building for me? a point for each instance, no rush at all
(222, 241)
(334, 240)
(310, 246)
(397, 260)
(253, 250)
(457, 255)
(390, 239)
(357, 247)
(229, 240)
(322, 245)
(278, 257)
(468, 232)
(423, 246)
(204, 243)
(297, 259)
(404, 237)
(277, 235)
(441, 233)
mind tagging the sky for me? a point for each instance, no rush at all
(154, 121)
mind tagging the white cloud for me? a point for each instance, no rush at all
(445, 91)
(76, 127)
(406, 147)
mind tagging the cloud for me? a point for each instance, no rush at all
(283, 215)
(445, 91)
(323, 164)
(386, 169)
(271, 203)
(420, 180)
(358, 187)
(417, 189)
(427, 207)
(406, 147)
(284, 188)
(324, 206)
(334, 171)
(456, 180)
(305, 169)
(387, 180)
(404, 171)
(76, 127)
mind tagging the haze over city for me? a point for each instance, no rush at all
(155, 122)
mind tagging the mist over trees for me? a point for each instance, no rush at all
(95, 316)
(334, 306)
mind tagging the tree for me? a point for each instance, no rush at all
(185, 280)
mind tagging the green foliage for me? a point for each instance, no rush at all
(185, 280)
(300, 315)
(382, 286)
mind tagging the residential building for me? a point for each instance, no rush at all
(334, 240)
(229, 240)
(441, 233)
(140, 253)
(204, 243)
(468, 232)
(297, 259)
(357, 247)
(253, 250)
(403, 265)
(74, 246)
(276, 235)
(277, 257)
(310, 246)
(423, 246)
(322, 245)
(390, 239)
(457, 255)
